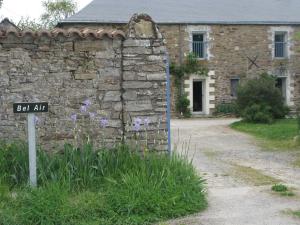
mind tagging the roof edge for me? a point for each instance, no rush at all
(197, 22)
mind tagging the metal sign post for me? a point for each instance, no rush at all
(32, 149)
(31, 108)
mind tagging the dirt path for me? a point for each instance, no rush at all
(239, 175)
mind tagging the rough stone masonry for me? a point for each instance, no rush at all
(102, 86)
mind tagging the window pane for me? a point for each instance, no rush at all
(198, 37)
(198, 45)
(280, 45)
(233, 86)
(279, 37)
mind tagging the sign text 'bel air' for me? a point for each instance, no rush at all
(30, 107)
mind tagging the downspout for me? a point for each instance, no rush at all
(168, 103)
(180, 44)
(122, 93)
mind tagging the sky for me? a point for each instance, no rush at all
(16, 9)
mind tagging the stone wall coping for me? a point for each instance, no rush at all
(82, 33)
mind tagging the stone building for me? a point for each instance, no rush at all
(234, 39)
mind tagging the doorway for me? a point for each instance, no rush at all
(281, 85)
(197, 96)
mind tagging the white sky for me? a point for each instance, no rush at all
(15, 9)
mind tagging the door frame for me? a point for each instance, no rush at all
(191, 96)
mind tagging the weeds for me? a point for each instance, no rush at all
(279, 188)
(88, 186)
(253, 176)
(283, 190)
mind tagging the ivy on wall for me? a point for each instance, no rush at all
(190, 66)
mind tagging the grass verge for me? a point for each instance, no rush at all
(253, 176)
(276, 136)
(297, 213)
(84, 186)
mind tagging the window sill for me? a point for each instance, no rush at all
(280, 58)
(202, 59)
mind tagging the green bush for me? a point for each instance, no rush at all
(227, 108)
(87, 186)
(182, 106)
(258, 100)
(258, 113)
(279, 188)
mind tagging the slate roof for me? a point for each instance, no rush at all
(192, 11)
(6, 24)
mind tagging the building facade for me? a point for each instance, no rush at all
(235, 42)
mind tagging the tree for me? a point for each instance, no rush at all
(26, 23)
(57, 10)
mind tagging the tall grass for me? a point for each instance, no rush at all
(87, 186)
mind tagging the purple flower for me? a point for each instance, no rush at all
(83, 108)
(74, 118)
(137, 124)
(146, 122)
(36, 120)
(92, 115)
(87, 102)
(103, 122)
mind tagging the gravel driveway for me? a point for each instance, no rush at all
(223, 157)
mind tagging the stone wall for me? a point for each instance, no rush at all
(104, 86)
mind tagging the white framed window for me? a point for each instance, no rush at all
(199, 45)
(280, 44)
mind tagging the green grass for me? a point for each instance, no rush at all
(279, 188)
(297, 213)
(253, 176)
(91, 187)
(276, 136)
(283, 190)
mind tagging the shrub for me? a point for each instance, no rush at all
(279, 188)
(182, 106)
(261, 99)
(88, 186)
(227, 108)
(257, 113)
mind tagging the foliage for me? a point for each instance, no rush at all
(227, 108)
(278, 135)
(193, 66)
(259, 100)
(88, 186)
(31, 24)
(190, 66)
(283, 190)
(57, 10)
(297, 213)
(182, 106)
(279, 188)
(258, 113)
(1, 2)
